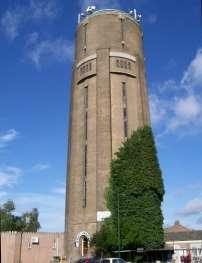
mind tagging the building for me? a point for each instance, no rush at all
(31, 247)
(187, 243)
(109, 101)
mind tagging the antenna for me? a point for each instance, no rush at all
(135, 15)
(89, 10)
(79, 18)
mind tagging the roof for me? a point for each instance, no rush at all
(177, 227)
(109, 11)
(184, 236)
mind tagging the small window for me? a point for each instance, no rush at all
(125, 114)
(125, 128)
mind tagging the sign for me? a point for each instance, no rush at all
(34, 240)
(101, 215)
(79, 235)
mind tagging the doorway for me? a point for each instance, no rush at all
(84, 246)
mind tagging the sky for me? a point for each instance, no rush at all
(36, 51)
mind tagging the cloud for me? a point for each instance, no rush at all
(193, 207)
(192, 187)
(9, 176)
(46, 51)
(169, 85)
(199, 221)
(192, 77)
(35, 11)
(176, 107)
(50, 206)
(187, 111)
(157, 109)
(40, 167)
(7, 137)
(10, 24)
(43, 9)
(59, 190)
(3, 194)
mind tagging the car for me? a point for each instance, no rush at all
(112, 260)
(100, 260)
(88, 260)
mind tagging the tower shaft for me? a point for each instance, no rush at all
(109, 101)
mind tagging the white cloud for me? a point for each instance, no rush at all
(32, 38)
(193, 207)
(9, 176)
(50, 206)
(169, 85)
(199, 221)
(40, 167)
(59, 190)
(10, 23)
(46, 51)
(3, 194)
(192, 77)
(187, 111)
(157, 109)
(35, 11)
(42, 9)
(7, 137)
(175, 106)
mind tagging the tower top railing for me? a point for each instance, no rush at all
(92, 11)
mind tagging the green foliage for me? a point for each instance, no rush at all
(136, 190)
(106, 239)
(27, 222)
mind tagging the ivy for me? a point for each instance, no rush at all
(136, 190)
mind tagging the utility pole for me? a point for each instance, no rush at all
(118, 223)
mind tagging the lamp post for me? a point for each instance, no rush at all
(118, 224)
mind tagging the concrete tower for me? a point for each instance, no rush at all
(109, 101)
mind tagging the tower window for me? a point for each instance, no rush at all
(85, 143)
(85, 39)
(125, 113)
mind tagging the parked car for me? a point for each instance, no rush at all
(112, 260)
(101, 260)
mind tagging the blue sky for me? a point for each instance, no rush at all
(36, 50)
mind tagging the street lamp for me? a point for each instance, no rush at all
(118, 225)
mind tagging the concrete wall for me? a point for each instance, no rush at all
(20, 248)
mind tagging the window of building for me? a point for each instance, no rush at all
(85, 143)
(125, 113)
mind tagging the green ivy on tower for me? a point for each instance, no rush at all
(134, 197)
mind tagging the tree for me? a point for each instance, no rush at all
(27, 222)
(105, 240)
(135, 193)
